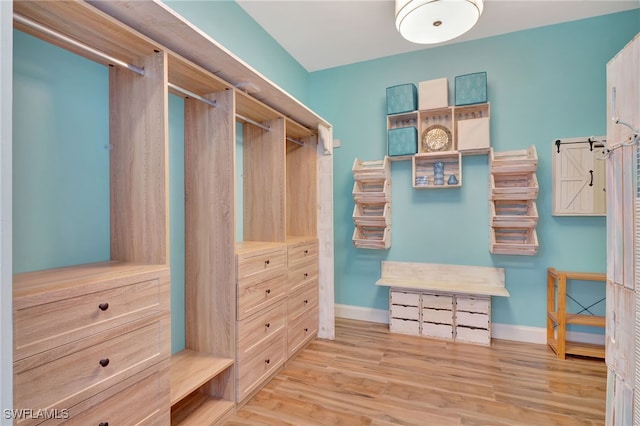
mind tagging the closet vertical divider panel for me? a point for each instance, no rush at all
(138, 162)
(264, 181)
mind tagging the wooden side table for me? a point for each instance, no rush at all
(558, 318)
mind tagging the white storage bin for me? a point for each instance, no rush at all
(437, 315)
(473, 335)
(404, 326)
(473, 304)
(441, 331)
(437, 301)
(405, 298)
(472, 319)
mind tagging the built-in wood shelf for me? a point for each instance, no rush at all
(189, 371)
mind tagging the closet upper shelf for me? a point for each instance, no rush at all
(79, 21)
(159, 22)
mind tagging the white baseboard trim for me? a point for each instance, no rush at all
(519, 333)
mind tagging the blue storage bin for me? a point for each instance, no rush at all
(402, 98)
(471, 89)
(402, 141)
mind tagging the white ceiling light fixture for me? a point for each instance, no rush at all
(436, 21)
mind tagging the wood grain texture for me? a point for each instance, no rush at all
(367, 376)
(210, 290)
(138, 130)
(301, 186)
(264, 182)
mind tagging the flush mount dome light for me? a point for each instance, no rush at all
(435, 21)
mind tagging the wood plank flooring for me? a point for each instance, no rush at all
(368, 376)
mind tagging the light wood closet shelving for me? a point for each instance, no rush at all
(110, 319)
(201, 383)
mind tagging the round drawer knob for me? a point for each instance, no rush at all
(306, 275)
(267, 361)
(103, 306)
(306, 301)
(268, 291)
(306, 252)
(306, 329)
(266, 262)
(267, 325)
(104, 362)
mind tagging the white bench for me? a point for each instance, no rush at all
(444, 301)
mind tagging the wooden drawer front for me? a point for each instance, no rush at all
(437, 301)
(64, 376)
(44, 326)
(254, 268)
(404, 298)
(303, 274)
(300, 331)
(472, 320)
(302, 301)
(404, 326)
(473, 335)
(140, 403)
(473, 304)
(263, 325)
(438, 316)
(405, 312)
(301, 253)
(258, 364)
(441, 331)
(252, 299)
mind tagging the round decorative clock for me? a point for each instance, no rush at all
(436, 138)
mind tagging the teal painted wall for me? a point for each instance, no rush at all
(60, 160)
(543, 84)
(227, 23)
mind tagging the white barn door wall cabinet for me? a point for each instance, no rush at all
(578, 177)
(623, 225)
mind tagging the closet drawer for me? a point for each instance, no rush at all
(299, 275)
(302, 253)
(257, 266)
(257, 365)
(51, 319)
(144, 401)
(301, 301)
(301, 330)
(253, 298)
(64, 376)
(261, 326)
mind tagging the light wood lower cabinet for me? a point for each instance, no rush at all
(87, 336)
(277, 304)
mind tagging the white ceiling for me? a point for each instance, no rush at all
(322, 34)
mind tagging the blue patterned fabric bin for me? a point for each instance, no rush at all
(402, 141)
(402, 98)
(471, 89)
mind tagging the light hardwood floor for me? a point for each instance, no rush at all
(368, 376)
